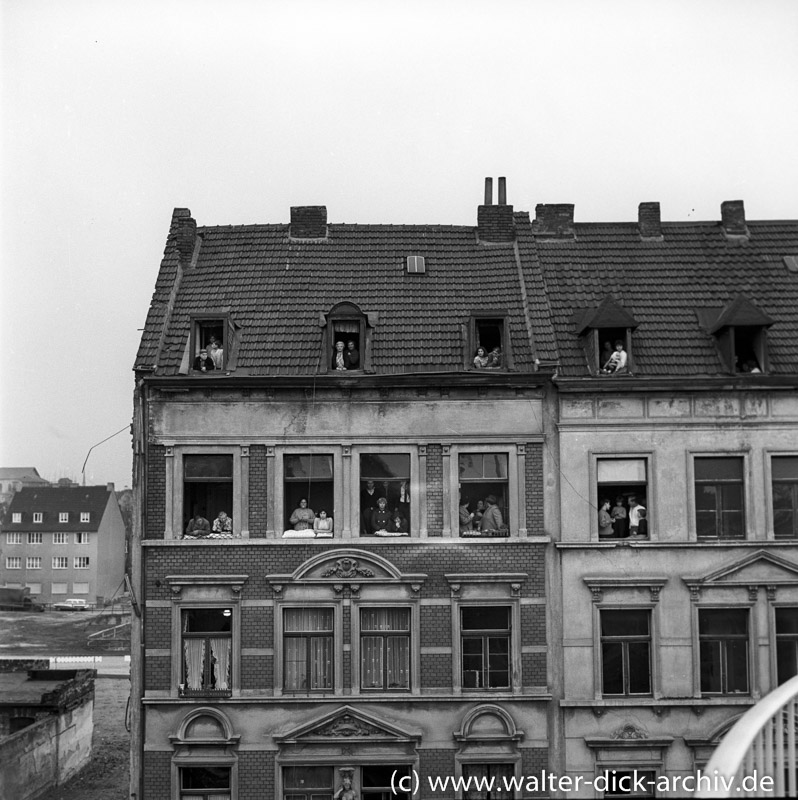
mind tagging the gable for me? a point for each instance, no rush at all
(759, 568)
(351, 724)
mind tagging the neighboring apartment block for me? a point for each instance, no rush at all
(64, 541)
(369, 463)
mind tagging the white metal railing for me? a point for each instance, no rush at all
(762, 742)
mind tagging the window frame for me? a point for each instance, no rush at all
(195, 344)
(747, 500)
(346, 311)
(35, 537)
(308, 636)
(55, 588)
(417, 526)
(38, 517)
(596, 336)
(60, 538)
(13, 562)
(464, 765)
(82, 537)
(77, 587)
(81, 562)
(474, 320)
(413, 636)
(788, 639)
(770, 455)
(649, 457)
(175, 487)
(16, 517)
(33, 562)
(204, 692)
(750, 650)
(280, 507)
(63, 516)
(85, 516)
(13, 537)
(60, 562)
(624, 641)
(218, 591)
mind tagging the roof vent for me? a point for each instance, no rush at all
(416, 264)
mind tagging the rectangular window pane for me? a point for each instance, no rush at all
(784, 468)
(309, 466)
(486, 617)
(209, 467)
(612, 667)
(719, 469)
(722, 621)
(639, 668)
(620, 470)
(624, 623)
(308, 619)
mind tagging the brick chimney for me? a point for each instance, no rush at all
(732, 214)
(184, 230)
(495, 223)
(649, 221)
(308, 222)
(554, 220)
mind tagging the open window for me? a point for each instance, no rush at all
(624, 483)
(345, 341)
(207, 486)
(605, 332)
(488, 342)
(786, 643)
(484, 489)
(211, 338)
(385, 494)
(740, 333)
(308, 491)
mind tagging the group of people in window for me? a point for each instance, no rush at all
(614, 361)
(385, 511)
(488, 360)
(211, 357)
(345, 356)
(199, 528)
(305, 520)
(627, 518)
(485, 520)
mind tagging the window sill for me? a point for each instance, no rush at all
(210, 536)
(206, 693)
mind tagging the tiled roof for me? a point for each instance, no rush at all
(27, 474)
(51, 501)
(663, 284)
(275, 289)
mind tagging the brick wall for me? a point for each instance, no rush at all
(533, 624)
(156, 769)
(533, 761)
(156, 492)
(534, 489)
(255, 776)
(435, 763)
(157, 673)
(258, 481)
(436, 626)
(436, 671)
(533, 666)
(434, 490)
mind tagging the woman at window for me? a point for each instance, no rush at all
(481, 358)
(302, 518)
(323, 525)
(223, 523)
(605, 520)
(338, 359)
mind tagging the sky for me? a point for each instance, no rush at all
(114, 113)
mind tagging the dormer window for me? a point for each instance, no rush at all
(606, 335)
(16, 517)
(210, 344)
(38, 517)
(346, 338)
(63, 516)
(488, 346)
(740, 333)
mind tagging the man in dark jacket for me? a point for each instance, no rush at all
(203, 362)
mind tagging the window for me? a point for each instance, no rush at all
(784, 470)
(723, 642)
(488, 781)
(749, 348)
(606, 335)
(384, 475)
(197, 783)
(307, 649)
(624, 483)
(485, 647)
(60, 538)
(63, 516)
(208, 486)
(307, 783)
(58, 588)
(60, 562)
(484, 487)
(33, 562)
(14, 538)
(82, 538)
(16, 517)
(35, 588)
(416, 264)
(38, 516)
(207, 651)
(719, 506)
(786, 643)
(14, 562)
(81, 562)
(345, 339)
(35, 538)
(85, 516)
(385, 648)
(489, 343)
(310, 478)
(212, 334)
(625, 652)
(80, 588)
(376, 781)
(629, 783)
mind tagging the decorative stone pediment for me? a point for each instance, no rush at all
(760, 568)
(349, 724)
(348, 566)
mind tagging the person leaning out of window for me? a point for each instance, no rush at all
(492, 521)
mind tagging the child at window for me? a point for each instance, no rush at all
(619, 520)
(617, 361)
(642, 523)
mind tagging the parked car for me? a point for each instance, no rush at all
(73, 604)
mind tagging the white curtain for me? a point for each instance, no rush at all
(194, 650)
(220, 652)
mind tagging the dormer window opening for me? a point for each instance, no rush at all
(210, 343)
(605, 332)
(740, 333)
(748, 349)
(488, 343)
(614, 356)
(346, 338)
(416, 264)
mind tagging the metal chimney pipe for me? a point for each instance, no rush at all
(502, 191)
(488, 191)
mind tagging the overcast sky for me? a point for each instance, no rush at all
(114, 113)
